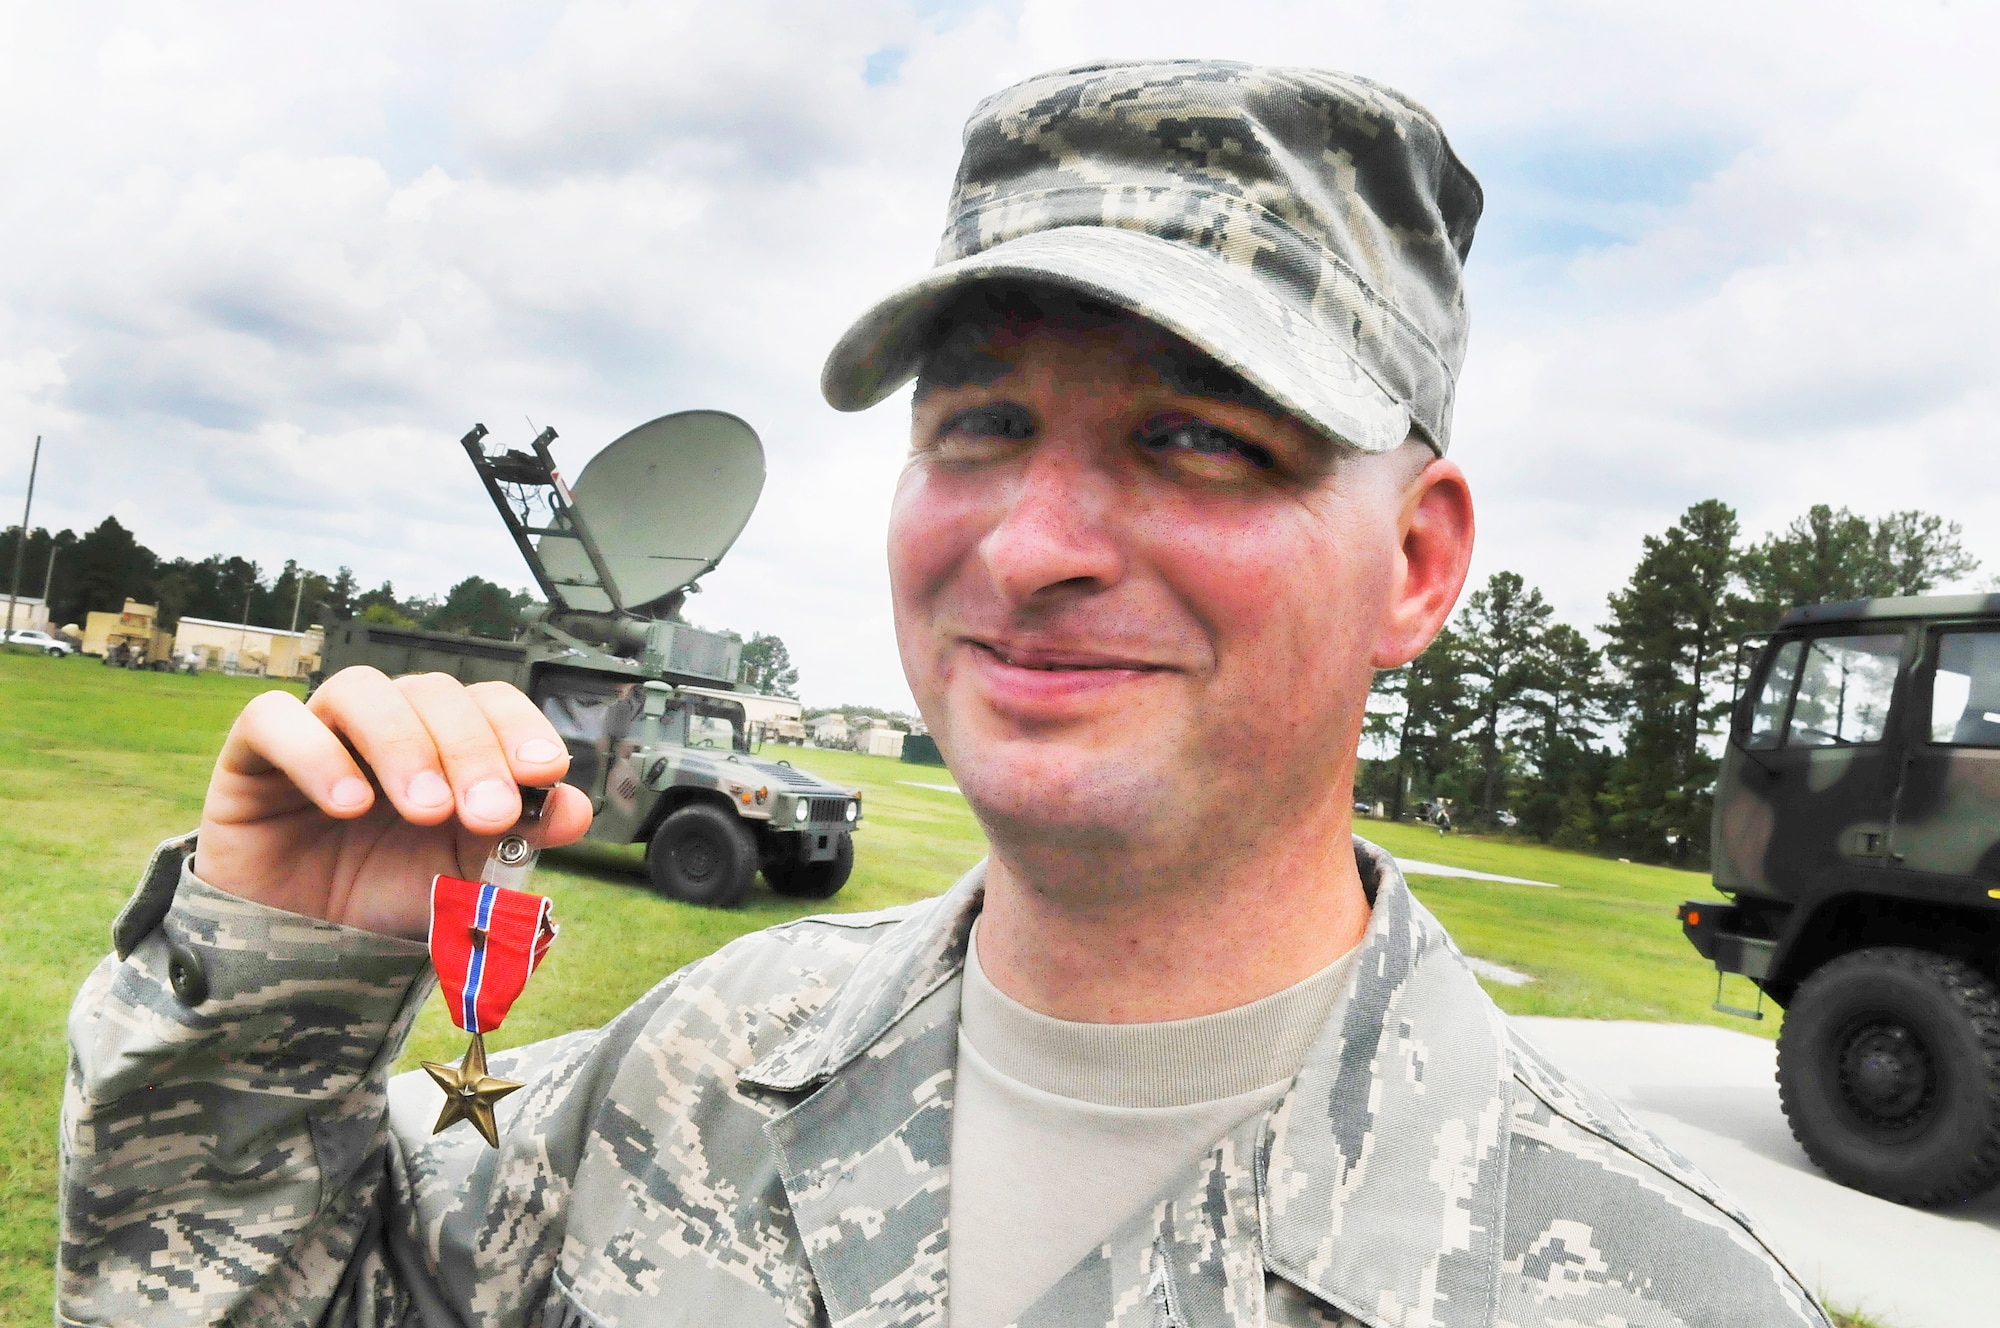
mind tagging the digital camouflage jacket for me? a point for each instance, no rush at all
(764, 1140)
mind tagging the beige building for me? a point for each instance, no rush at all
(30, 614)
(235, 648)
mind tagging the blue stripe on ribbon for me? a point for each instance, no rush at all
(475, 963)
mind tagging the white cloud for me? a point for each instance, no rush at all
(267, 264)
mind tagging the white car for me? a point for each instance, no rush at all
(42, 641)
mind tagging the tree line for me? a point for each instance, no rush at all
(107, 565)
(1511, 715)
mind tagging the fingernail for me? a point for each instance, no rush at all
(349, 792)
(539, 751)
(490, 800)
(428, 789)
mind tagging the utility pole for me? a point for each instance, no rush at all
(49, 577)
(21, 546)
(243, 632)
(298, 597)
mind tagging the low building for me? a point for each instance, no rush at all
(237, 648)
(30, 613)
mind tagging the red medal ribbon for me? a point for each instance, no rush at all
(485, 941)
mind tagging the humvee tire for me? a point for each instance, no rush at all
(1889, 1073)
(702, 855)
(813, 880)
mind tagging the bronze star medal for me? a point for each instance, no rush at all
(470, 1092)
(486, 940)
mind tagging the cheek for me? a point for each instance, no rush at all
(932, 530)
(1289, 595)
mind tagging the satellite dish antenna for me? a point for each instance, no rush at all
(664, 503)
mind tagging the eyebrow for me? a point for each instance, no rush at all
(961, 353)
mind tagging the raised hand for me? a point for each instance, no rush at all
(294, 820)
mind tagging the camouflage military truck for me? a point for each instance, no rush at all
(1857, 839)
(640, 697)
(667, 763)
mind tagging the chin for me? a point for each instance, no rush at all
(1048, 791)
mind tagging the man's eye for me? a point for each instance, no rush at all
(1000, 420)
(1174, 438)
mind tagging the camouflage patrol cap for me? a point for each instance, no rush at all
(1307, 229)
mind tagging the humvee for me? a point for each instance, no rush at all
(1857, 840)
(640, 698)
(667, 762)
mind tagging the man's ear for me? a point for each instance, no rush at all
(1434, 526)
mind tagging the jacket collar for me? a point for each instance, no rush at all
(1385, 1173)
(1381, 1176)
(919, 955)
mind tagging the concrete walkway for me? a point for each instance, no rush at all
(1414, 867)
(1710, 1093)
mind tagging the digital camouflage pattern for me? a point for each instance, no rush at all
(1306, 228)
(764, 1139)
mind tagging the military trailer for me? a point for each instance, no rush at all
(1857, 840)
(641, 699)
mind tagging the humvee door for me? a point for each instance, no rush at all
(1820, 757)
(1948, 818)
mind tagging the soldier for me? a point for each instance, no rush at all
(1181, 1051)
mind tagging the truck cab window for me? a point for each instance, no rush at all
(1767, 717)
(1965, 690)
(1845, 685)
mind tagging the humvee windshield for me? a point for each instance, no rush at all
(714, 723)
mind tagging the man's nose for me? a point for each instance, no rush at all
(1058, 527)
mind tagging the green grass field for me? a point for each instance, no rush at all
(97, 765)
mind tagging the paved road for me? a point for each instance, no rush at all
(1709, 1092)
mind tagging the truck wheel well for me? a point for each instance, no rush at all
(1858, 922)
(673, 799)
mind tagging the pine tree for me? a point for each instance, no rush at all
(1669, 635)
(1427, 714)
(1565, 700)
(1499, 632)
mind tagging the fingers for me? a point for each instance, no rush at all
(474, 765)
(438, 747)
(536, 757)
(373, 715)
(277, 732)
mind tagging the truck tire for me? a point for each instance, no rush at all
(1889, 1072)
(701, 854)
(814, 880)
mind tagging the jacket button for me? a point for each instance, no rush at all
(184, 974)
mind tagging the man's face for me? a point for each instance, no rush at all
(1128, 610)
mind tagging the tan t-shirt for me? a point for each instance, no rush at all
(1062, 1130)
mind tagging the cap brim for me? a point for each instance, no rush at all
(1210, 302)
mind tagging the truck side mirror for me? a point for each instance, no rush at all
(659, 698)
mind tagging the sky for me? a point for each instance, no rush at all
(265, 264)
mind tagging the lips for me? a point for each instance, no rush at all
(1060, 661)
(1046, 684)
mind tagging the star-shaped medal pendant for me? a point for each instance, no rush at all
(470, 1092)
